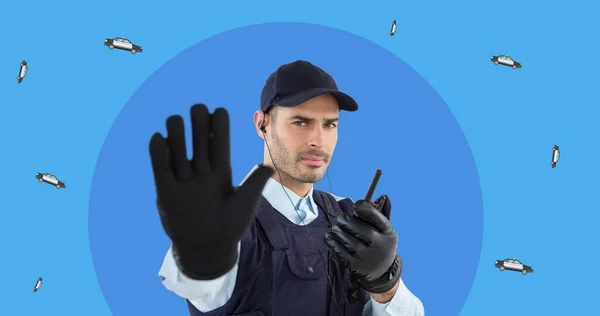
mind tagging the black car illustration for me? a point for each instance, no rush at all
(50, 179)
(513, 265)
(123, 44)
(506, 61)
(555, 156)
(22, 71)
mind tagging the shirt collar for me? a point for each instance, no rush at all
(275, 194)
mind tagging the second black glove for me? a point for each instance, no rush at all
(368, 242)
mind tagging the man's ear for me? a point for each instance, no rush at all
(259, 116)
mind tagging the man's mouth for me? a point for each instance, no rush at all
(313, 161)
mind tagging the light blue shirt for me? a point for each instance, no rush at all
(212, 294)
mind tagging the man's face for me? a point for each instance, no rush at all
(303, 138)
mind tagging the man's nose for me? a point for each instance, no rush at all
(316, 138)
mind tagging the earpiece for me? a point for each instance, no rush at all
(262, 124)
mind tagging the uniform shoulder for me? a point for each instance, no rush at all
(340, 198)
(336, 197)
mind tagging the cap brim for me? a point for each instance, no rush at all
(345, 101)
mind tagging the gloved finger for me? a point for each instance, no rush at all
(220, 148)
(337, 248)
(384, 205)
(248, 193)
(370, 215)
(357, 228)
(176, 139)
(163, 175)
(348, 241)
(200, 134)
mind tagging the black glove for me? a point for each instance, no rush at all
(367, 242)
(200, 210)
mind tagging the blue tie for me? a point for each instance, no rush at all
(301, 213)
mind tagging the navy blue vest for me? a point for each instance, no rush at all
(282, 273)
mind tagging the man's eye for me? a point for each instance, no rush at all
(330, 125)
(299, 123)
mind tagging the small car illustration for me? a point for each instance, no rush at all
(555, 156)
(123, 44)
(513, 265)
(506, 61)
(22, 71)
(38, 284)
(50, 179)
(393, 29)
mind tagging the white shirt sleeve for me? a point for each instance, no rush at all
(206, 295)
(404, 303)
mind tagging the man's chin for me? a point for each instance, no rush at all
(313, 175)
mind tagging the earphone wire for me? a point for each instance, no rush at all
(326, 262)
(329, 181)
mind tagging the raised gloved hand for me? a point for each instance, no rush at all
(368, 243)
(200, 210)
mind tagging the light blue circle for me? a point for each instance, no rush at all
(403, 127)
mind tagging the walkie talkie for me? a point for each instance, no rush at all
(373, 185)
(354, 291)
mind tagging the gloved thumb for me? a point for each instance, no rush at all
(252, 188)
(246, 197)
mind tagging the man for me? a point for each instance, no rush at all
(291, 250)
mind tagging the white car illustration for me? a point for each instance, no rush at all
(50, 179)
(555, 156)
(38, 284)
(506, 61)
(393, 29)
(122, 44)
(22, 71)
(513, 265)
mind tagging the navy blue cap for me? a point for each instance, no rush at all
(297, 82)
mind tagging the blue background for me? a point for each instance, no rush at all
(430, 174)
(57, 119)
